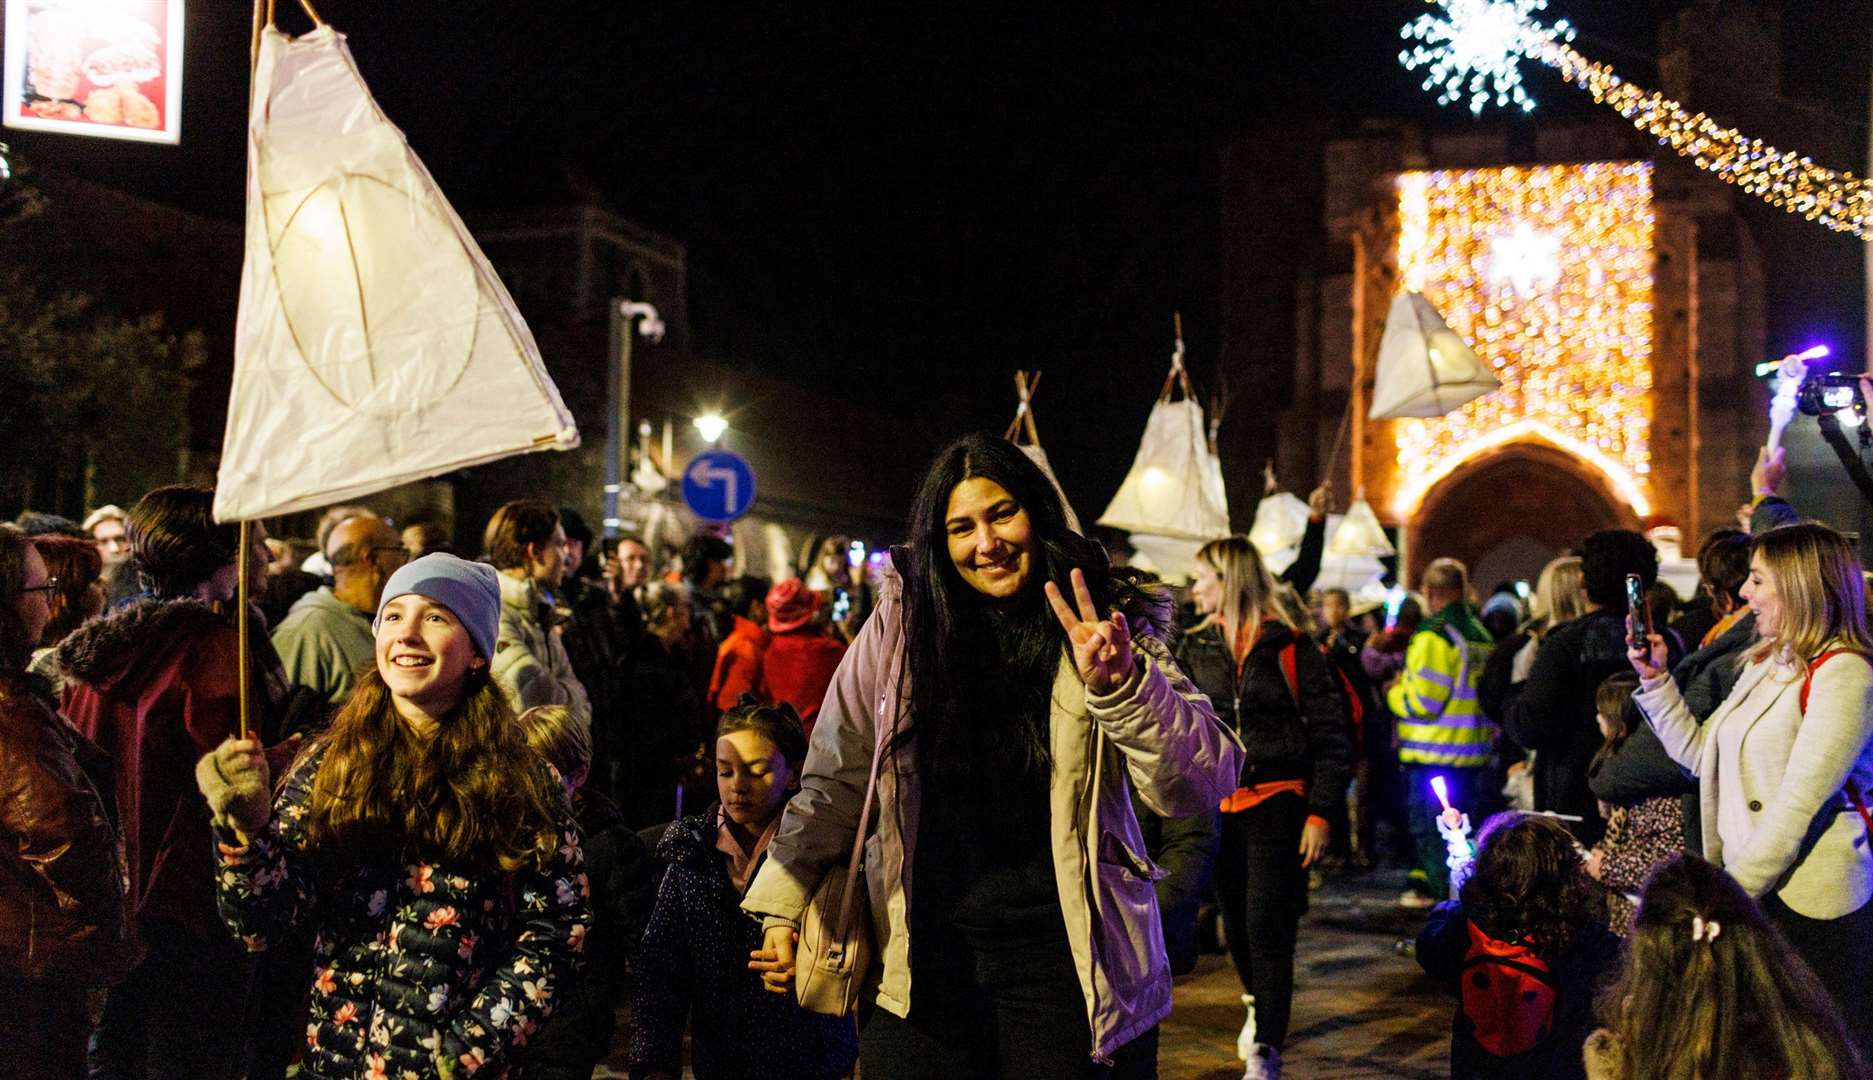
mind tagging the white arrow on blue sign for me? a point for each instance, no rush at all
(718, 485)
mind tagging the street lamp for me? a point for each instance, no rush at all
(711, 425)
(628, 319)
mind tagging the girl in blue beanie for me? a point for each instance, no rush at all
(434, 855)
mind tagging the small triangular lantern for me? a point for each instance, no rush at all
(1359, 534)
(1424, 368)
(1175, 486)
(1280, 520)
(374, 344)
(1026, 436)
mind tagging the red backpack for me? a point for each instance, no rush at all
(1507, 994)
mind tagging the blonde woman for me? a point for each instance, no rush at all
(1560, 597)
(1784, 763)
(1272, 685)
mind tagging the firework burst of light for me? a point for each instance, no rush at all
(1475, 48)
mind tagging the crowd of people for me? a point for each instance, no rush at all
(449, 816)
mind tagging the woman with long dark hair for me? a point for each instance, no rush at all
(432, 851)
(1014, 726)
(1272, 685)
(62, 925)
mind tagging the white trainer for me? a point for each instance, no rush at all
(1264, 1063)
(1245, 1042)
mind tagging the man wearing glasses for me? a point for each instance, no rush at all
(326, 639)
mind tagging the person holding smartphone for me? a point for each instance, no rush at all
(1554, 715)
(1785, 763)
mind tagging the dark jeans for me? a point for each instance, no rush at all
(1011, 1012)
(1421, 809)
(1262, 889)
(1840, 951)
(43, 1027)
(181, 1014)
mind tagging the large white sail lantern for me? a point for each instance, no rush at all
(375, 345)
(1424, 368)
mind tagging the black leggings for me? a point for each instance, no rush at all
(1012, 1012)
(1262, 889)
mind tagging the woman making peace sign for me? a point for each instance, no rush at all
(1015, 725)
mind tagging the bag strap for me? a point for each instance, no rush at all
(1807, 683)
(881, 734)
(1288, 672)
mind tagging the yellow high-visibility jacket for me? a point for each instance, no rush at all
(1440, 719)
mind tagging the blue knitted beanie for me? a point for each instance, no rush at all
(471, 590)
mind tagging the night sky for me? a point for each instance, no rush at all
(902, 205)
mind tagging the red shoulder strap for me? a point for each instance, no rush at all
(1853, 789)
(1288, 672)
(1808, 679)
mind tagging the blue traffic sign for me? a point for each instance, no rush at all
(718, 485)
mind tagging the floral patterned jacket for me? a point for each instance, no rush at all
(420, 969)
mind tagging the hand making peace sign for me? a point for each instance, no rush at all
(1102, 648)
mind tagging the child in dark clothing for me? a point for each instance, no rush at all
(694, 970)
(617, 864)
(1640, 834)
(1524, 947)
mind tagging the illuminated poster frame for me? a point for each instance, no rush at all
(108, 69)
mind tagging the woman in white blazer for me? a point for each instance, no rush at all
(1783, 762)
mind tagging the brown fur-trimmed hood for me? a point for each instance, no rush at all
(127, 641)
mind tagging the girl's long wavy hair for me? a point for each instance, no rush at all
(1528, 885)
(472, 792)
(1740, 1005)
(981, 673)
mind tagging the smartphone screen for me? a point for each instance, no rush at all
(1640, 636)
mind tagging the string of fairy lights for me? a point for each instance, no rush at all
(1474, 48)
(1547, 272)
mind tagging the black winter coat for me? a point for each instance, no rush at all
(1310, 740)
(618, 865)
(413, 962)
(1554, 715)
(694, 973)
(1640, 768)
(1185, 849)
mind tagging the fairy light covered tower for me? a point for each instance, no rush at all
(1610, 287)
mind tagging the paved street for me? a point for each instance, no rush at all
(1361, 1011)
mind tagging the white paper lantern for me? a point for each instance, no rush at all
(1175, 486)
(1424, 368)
(374, 344)
(1359, 533)
(1280, 520)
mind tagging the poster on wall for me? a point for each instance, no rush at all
(107, 68)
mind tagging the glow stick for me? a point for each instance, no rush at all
(1454, 826)
(1394, 599)
(1788, 379)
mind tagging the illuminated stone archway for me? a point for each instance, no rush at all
(1540, 502)
(1547, 272)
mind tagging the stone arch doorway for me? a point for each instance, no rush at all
(1506, 513)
